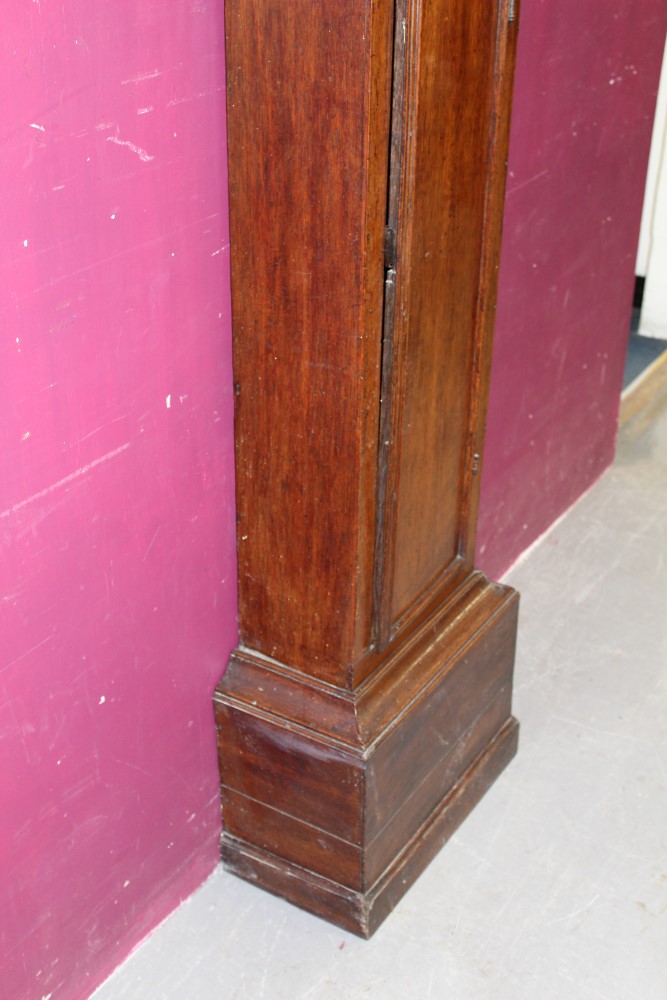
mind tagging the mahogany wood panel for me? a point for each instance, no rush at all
(368, 706)
(308, 122)
(448, 186)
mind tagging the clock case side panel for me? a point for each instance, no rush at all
(308, 111)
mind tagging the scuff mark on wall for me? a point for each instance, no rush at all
(150, 74)
(141, 153)
(65, 480)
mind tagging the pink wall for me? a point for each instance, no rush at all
(586, 82)
(116, 496)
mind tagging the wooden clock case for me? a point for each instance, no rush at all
(368, 705)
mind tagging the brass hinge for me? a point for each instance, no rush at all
(389, 247)
(511, 10)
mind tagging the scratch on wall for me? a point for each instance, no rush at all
(63, 482)
(147, 75)
(141, 153)
(18, 659)
(193, 97)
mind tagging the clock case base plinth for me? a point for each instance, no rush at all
(337, 800)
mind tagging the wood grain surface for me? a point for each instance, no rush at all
(308, 118)
(448, 181)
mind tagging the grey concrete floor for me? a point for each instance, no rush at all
(556, 885)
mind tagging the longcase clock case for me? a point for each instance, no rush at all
(368, 705)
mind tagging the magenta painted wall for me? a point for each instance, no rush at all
(117, 567)
(586, 83)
